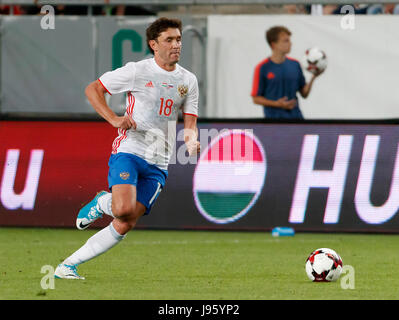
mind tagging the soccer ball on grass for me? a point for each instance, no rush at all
(323, 265)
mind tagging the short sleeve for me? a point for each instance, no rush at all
(258, 82)
(190, 106)
(119, 80)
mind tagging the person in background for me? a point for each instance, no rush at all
(294, 9)
(278, 78)
(389, 8)
(7, 9)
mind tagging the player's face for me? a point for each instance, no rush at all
(283, 44)
(168, 46)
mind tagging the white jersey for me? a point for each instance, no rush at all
(154, 98)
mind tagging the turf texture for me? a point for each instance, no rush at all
(196, 265)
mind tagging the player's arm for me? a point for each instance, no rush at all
(190, 115)
(283, 102)
(191, 134)
(305, 90)
(95, 93)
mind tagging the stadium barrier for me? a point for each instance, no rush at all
(250, 176)
(61, 62)
(215, 49)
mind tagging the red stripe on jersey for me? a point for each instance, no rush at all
(116, 142)
(190, 114)
(255, 83)
(104, 87)
(122, 137)
(122, 133)
(129, 100)
(132, 101)
(292, 59)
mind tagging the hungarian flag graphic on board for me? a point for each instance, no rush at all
(229, 176)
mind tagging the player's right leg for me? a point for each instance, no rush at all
(125, 207)
(122, 178)
(122, 170)
(90, 212)
(126, 210)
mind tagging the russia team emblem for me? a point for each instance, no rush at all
(229, 176)
(182, 89)
(124, 175)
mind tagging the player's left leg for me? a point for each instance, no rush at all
(129, 203)
(123, 175)
(99, 243)
(126, 210)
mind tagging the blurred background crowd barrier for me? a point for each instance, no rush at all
(44, 71)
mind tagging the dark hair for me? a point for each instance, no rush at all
(160, 25)
(273, 33)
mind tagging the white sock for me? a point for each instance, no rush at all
(105, 204)
(101, 242)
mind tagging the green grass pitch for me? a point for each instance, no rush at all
(196, 265)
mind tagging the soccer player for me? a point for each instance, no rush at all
(157, 88)
(278, 78)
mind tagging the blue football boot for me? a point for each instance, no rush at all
(64, 271)
(89, 213)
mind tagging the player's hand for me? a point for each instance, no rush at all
(286, 104)
(193, 147)
(317, 73)
(125, 122)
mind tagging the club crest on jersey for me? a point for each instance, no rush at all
(124, 175)
(182, 89)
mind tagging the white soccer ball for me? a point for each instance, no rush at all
(323, 265)
(315, 60)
